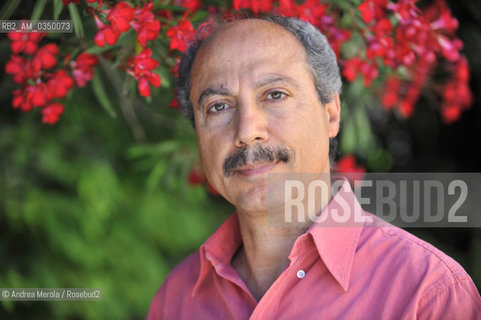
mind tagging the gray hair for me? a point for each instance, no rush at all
(320, 59)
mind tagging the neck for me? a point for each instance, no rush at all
(267, 242)
(264, 253)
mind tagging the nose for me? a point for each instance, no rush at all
(251, 124)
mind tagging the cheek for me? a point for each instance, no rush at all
(212, 155)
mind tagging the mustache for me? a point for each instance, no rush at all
(255, 154)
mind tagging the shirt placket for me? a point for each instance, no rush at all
(297, 270)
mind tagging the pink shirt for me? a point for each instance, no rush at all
(372, 271)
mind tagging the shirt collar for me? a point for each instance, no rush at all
(219, 248)
(336, 242)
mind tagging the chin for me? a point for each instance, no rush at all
(254, 199)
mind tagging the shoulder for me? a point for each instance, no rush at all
(177, 286)
(434, 281)
(185, 272)
(414, 251)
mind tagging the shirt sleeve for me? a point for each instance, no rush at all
(458, 300)
(156, 306)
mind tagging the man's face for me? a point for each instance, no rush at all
(251, 90)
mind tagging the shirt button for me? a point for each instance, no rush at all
(301, 274)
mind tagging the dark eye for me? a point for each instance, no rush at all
(276, 95)
(216, 107)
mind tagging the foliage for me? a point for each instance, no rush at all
(396, 49)
(75, 216)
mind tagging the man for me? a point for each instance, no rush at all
(264, 99)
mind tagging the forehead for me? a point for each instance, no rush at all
(244, 48)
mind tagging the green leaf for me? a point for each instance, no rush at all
(379, 160)
(102, 96)
(348, 137)
(365, 138)
(170, 8)
(199, 16)
(95, 49)
(38, 9)
(164, 76)
(77, 22)
(155, 175)
(8, 9)
(57, 8)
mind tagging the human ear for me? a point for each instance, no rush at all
(333, 109)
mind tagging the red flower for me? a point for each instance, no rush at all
(354, 66)
(65, 2)
(450, 49)
(348, 167)
(367, 13)
(181, 35)
(25, 42)
(20, 100)
(255, 5)
(145, 24)
(45, 57)
(195, 177)
(191, 5)
(164, 13)
(60, 84)
(19, 67)
(174, 104)
(120, 16)
(106, 34)
(372, 10)
(457, 94)
(82, 68)
(52, 112)
(37, 95)
(462, 70)
(337, 37)
(288, 8)
(30, 96)
(350, 69)
(391, 93)
(450, 113)
(143, 65)
(312, 11)
(405, 10)
(406, 107)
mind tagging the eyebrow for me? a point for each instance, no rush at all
(212, 92)
(274, 80)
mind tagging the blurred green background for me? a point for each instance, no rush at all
(92, 202)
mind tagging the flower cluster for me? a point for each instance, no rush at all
(120, 19)
(457, 95)
(415, 40)
(141, 68)
(33, 68)
(395, 39)
(181, 35)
